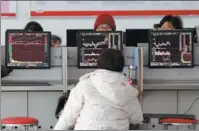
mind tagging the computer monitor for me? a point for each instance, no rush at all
(71, 35)
(17, 30)
(170, 48)
(27, 50)
(91, 44)
(135, 36)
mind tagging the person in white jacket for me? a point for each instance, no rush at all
(103, 99)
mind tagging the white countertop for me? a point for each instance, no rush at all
(53, 74)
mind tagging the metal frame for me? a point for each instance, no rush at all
(13, 126)
(191, 126)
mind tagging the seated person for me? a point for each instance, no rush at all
(105, 22)
(55, 41)
(33, 26)
(103, 99)
(170, 22)
(173, 22)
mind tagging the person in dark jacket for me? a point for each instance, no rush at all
(61, 103)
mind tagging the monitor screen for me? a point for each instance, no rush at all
(27, 50)
(170, 48)
(135, 36)
(71, 35)
(91, 44)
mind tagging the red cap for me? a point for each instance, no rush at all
(105, 19)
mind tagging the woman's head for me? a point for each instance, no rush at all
(55, 41)
(33, 26)
(171, 22)
(105, 22)
(111, 59)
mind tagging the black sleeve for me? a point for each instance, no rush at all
(5, 71)
(61, 103)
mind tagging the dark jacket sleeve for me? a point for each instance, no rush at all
(5, 71)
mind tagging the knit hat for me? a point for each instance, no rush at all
(105, 19)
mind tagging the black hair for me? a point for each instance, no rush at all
(175, 20)
(33, 26)
(111, 59)
(56, 38)
(167, 18)
(61, 103)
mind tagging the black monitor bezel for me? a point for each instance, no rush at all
(78, 46)
(136, 39)
(76, 30)
(177, 30)
(29, 67)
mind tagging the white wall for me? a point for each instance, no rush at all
(59, 25)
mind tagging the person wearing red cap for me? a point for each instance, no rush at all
(105, 22)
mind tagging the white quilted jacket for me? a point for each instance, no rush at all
(102, 100)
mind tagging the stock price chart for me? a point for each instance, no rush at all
(170, 48)
(27, 50)
(91, 44)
